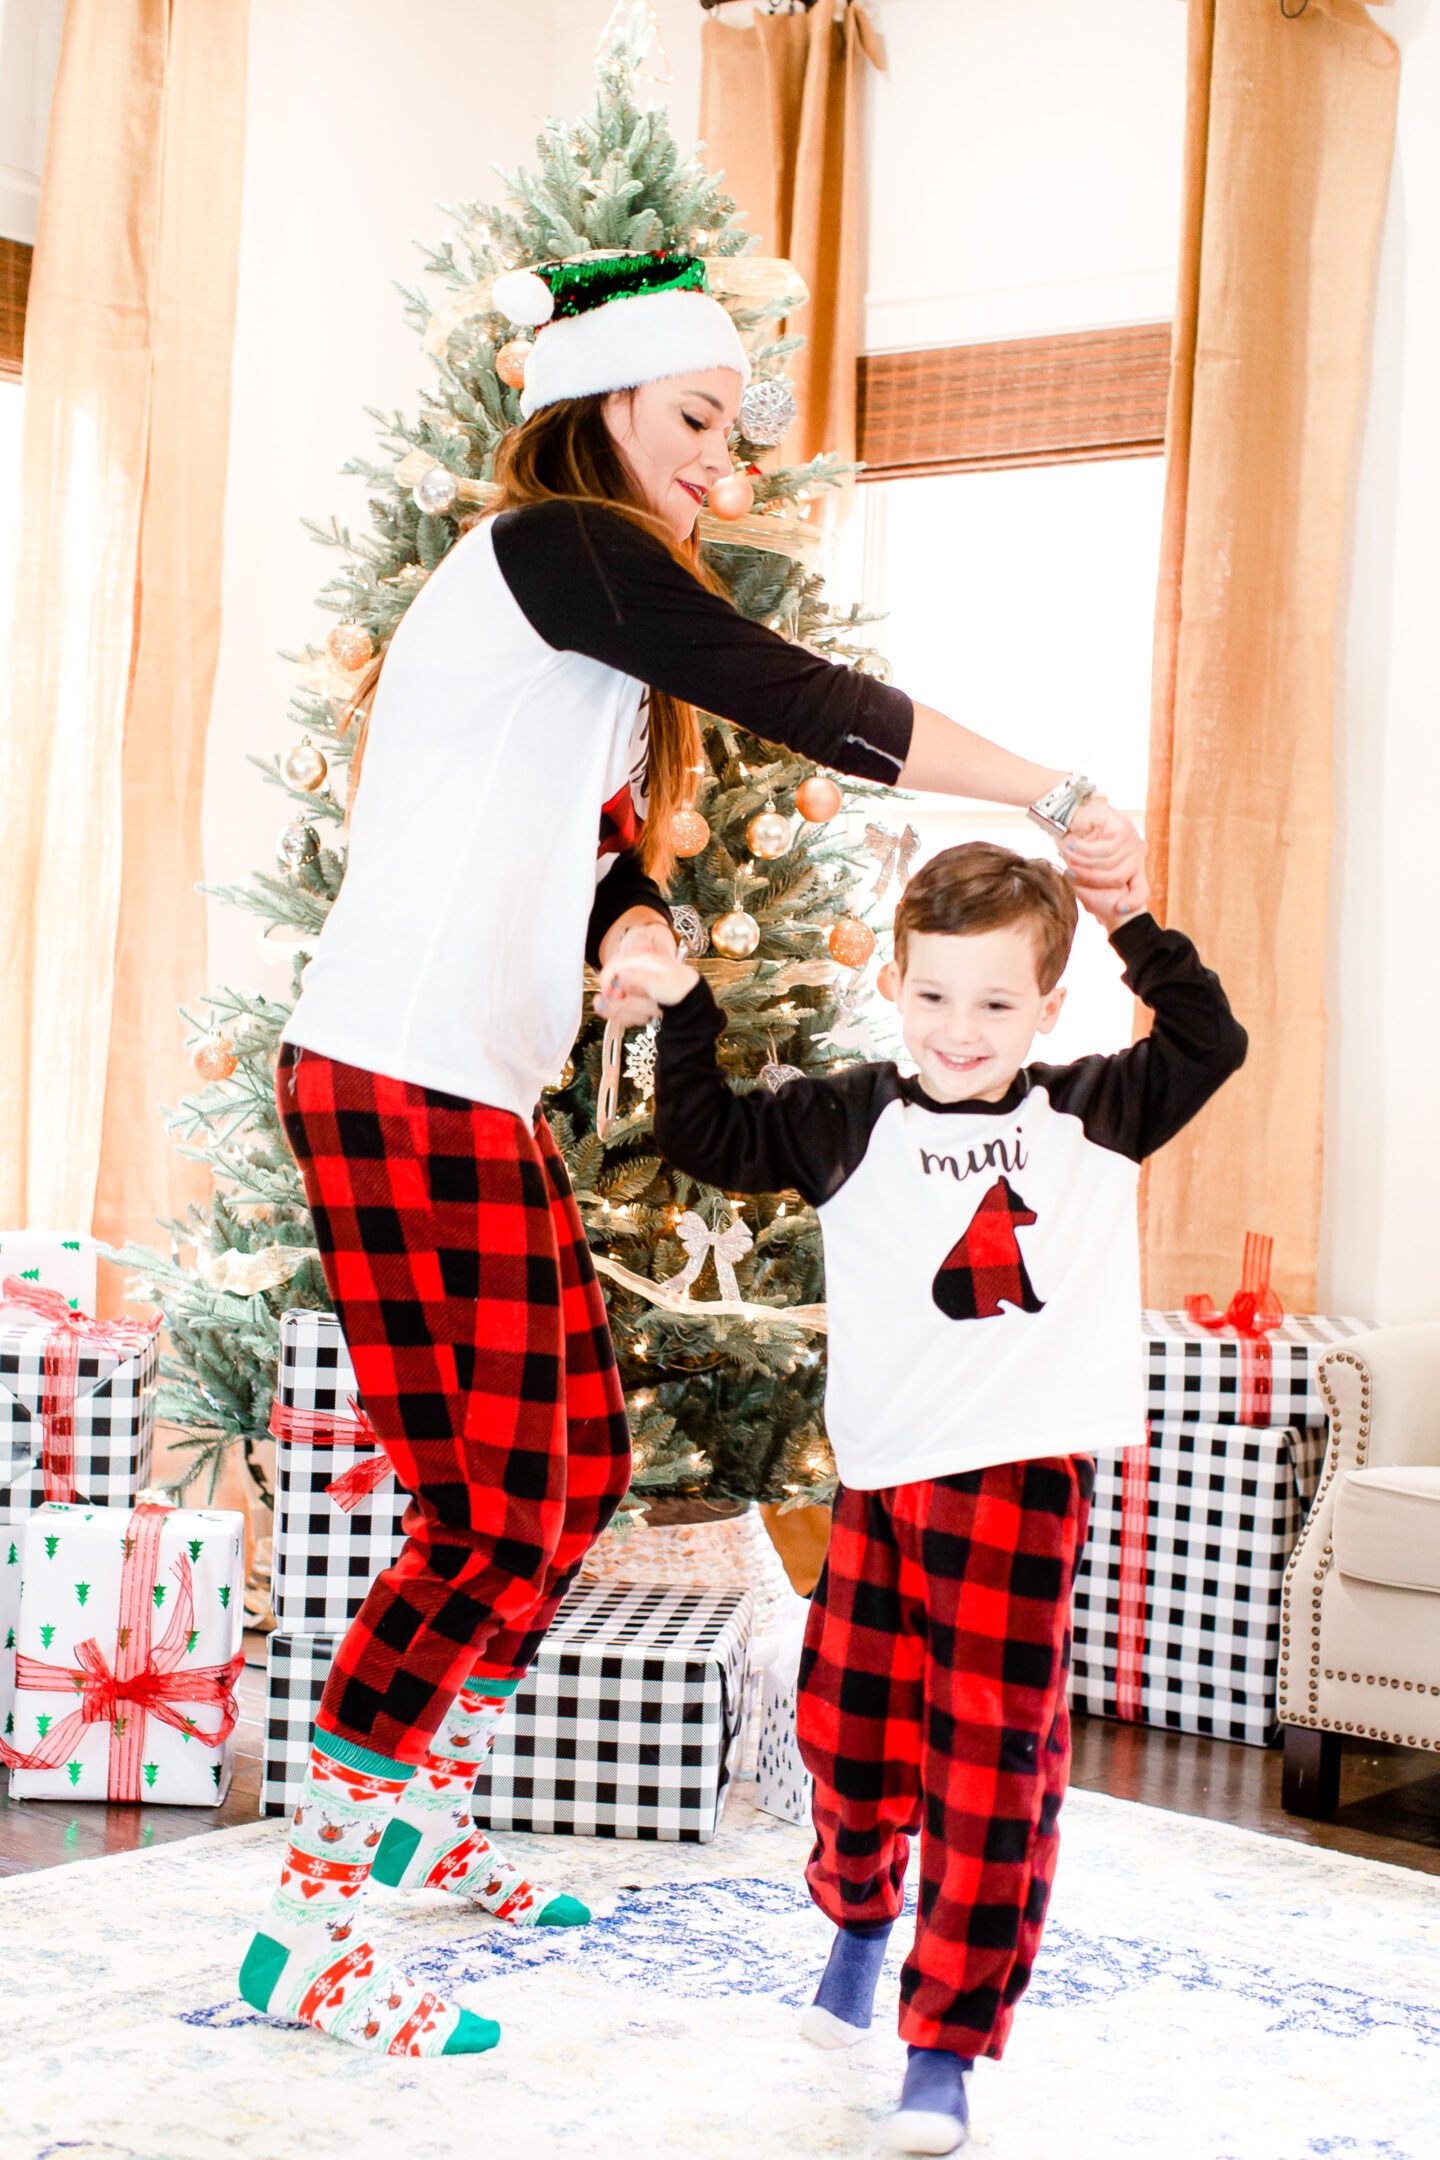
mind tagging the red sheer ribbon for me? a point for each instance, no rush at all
(70, 1332)
(1252, 1313)
(1134, 1551)
(146, 1681)
(311, 1428)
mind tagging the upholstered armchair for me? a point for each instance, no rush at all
(1360, 1621)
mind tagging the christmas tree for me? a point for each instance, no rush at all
(724, 1391)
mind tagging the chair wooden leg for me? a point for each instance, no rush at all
(1310, 1775)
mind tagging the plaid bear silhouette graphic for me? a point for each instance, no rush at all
(986, 1270)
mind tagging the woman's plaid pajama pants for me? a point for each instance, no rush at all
(932, 1693)
(458, 1267)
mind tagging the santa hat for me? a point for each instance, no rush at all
(611, 322)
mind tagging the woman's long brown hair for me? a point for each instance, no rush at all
(566, 452)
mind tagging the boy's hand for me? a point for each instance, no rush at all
(1102, 849)
(636, 983)
(1112, 907)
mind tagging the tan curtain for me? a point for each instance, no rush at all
(780, 113)
(102, 737)
(1288, 140)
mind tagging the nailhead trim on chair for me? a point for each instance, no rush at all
(1327, 1557)
(1420, 1687)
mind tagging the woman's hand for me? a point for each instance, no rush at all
(1112, 907)
(638, 977)
(637, 934)
(1105, 854)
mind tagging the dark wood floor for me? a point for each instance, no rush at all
(1389, 1797)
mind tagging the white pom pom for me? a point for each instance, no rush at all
(523, 297)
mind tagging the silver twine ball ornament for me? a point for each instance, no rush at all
(768, 411)
(690, 929)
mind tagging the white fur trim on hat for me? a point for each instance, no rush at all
(628, 342)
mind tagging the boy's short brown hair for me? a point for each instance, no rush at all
(979, 886)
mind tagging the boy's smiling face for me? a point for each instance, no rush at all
(969, 1008)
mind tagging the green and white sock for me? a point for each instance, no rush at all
(307, 1960)
(431, 1842)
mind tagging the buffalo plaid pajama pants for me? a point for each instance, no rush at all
(932, 1692)
(457, 1262)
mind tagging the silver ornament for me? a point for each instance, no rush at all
(298, 844)
(768, 411)
(640, 1061)
(775, 1076)
(436, 491)
(304, 766)
(690, 929)
(874, 663)
(736, 934)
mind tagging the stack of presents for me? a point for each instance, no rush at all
(121, 1616)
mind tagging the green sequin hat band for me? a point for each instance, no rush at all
(614, 321)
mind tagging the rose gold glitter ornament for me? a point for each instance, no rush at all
(732, 497)
(851, 942)
(818, 799)
(689, 833)
(349, 646)
(214, 1058)
(510, 362)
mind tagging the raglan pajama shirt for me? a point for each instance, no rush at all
(507, 742)
(982, 1279)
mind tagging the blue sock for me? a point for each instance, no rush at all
(848, 1983)
(935, 2083)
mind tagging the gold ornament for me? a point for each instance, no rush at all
(349, 646)
(214, 1058)
(873, 663)
(689, 833)
(768, 834)
(818, 799)
(851, 942)
(304, 766)
(564, 1077)
(510, 362)
(730, 498)
(736, 935)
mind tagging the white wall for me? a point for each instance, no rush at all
(1380, 1249)
(29, 50)
(361, 120)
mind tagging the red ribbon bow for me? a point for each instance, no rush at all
(1254, 1309)
(69, 1332)
(149, 1682)
(313, 1428)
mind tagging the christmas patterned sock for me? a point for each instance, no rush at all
(431, 1842)
(308, 1960)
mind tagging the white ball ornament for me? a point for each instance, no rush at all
(436, 491)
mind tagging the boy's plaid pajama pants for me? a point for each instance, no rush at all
(457, 1263)
(932, 1692)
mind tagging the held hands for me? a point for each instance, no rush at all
(638, 981)
(1105, 857)
(1112, 906)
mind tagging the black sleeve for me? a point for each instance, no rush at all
(808, 1138)
(589, 581)
(623, 886)
(1136, 1101)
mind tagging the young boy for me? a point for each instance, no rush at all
(984, 1298)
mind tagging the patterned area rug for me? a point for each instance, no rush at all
(1204, 1994)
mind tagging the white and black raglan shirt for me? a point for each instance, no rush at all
(493, 839)
(981, 1259)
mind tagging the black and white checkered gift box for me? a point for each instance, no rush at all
(325, 1555)
(1201, 1376)
(296, 1669)
(114, 1417)
(629, 1723)
(1177, 1596)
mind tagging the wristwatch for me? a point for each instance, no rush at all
(1053, 811)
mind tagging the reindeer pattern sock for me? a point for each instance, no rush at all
(309, 1961)
(432, 1843)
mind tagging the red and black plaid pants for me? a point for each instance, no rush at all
(458, 1266)
(932, 1693)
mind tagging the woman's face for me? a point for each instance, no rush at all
(675, 437)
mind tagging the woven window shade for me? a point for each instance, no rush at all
(15, 259)
(1027, 401)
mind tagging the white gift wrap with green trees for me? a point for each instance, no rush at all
(127, 1646)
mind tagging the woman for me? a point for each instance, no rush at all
(512, 724)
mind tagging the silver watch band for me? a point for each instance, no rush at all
(1053, 811)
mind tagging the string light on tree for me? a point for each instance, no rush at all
(689, 833)
(851, 942)
(818, 799)
(350, 646)
(304, 766)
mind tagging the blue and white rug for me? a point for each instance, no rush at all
(1204, 1994)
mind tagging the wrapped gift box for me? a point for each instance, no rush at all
(128, 1647)
(329, 1543)
(628, 1724)
(1177, 1596)
(783, 1786)
(77, 1405)
(52, 1260)
(1203, 1376)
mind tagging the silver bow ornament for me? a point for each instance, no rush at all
(894, 852)
(730, 1245)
